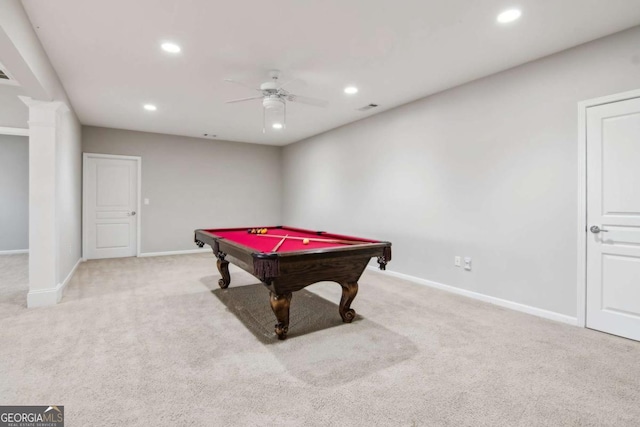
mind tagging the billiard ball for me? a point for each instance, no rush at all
(305, 241)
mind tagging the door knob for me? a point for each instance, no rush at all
(595, 229)
(132, 213)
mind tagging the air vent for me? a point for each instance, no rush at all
(368, 107)
(6, 77)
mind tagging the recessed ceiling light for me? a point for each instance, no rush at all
(509, 16)
(170, 47)
(277, 126)
(150, 107)
(350, 90)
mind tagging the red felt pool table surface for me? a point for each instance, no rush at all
(266, 242)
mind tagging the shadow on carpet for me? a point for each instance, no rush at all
(318, 340)
(308, 313)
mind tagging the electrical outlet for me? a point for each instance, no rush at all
(457, 262)
(467, 263)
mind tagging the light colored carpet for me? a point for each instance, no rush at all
(14, 284)
(152, 341)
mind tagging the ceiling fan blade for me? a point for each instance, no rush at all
(306, 100)
(242, 84)
(244, 99)
(287, 83)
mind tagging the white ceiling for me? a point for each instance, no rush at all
(108, 57)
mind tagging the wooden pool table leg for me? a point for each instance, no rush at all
(280, 305)
(349, 292)
(223, 268)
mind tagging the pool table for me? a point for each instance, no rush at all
(287, 265)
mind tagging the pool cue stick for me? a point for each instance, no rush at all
(312, 239)
(275, 249)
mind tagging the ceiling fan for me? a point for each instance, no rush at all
(274, 100)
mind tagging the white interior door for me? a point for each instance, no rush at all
(613, 218)
(110, 206)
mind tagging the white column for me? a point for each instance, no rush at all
(44, 119)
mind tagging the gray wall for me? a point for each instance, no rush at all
(487, 170)
(14, 192)
(195, 183)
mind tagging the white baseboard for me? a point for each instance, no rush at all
(486, 298)
(42, 297)
(61, 286)
(15, 252)
(187, 252)
(51, 296)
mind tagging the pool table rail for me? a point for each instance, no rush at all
(267, 265)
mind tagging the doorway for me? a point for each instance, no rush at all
(14, 218)
(610, 248)
(111, 206)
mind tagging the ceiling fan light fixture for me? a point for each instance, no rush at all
(273, 103)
